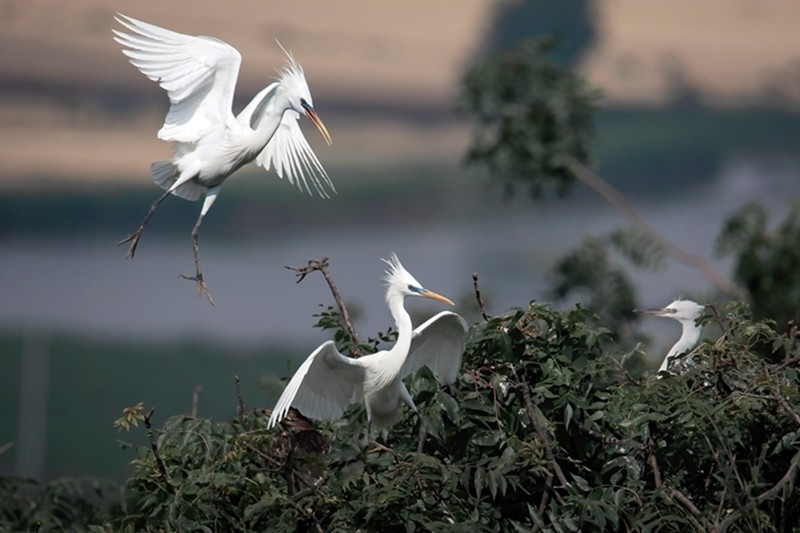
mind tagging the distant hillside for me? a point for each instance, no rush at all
(384, 76)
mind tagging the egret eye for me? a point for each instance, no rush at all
(414, 289)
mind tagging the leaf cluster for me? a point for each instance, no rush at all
(767, 260)
(531, 117)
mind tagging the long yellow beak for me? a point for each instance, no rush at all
(314, 118)
(434, 296)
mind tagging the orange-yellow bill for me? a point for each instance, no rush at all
(434, 296)
(314, 118)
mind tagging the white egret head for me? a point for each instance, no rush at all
(400, 282)
(293, 82)
(680, 310)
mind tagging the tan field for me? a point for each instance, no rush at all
(374, 53)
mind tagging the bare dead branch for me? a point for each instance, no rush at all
(162, 468)
(478, 297)
(196, 399)
(618, 202)
(240, 401)
(322, 266)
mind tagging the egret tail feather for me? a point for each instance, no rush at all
(164, 175)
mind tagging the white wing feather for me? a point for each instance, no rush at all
(198, 73)
(288, 151)
(323, 387)
(437, 343)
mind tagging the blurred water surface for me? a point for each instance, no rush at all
(85, 286)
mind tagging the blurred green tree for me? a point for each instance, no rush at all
(767, 261)
(517, 20)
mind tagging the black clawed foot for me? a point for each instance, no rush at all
(133, 238)
(202, 288)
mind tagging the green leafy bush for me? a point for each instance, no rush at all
(542, 430)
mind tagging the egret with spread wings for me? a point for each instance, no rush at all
(328, 382)
(199, 74)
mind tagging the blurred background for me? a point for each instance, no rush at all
(699, 115)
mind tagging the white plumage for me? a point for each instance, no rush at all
(327, 382)
(686, 312)
(199, 74)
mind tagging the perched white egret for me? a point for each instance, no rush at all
(328, 382)
(199, 74)
(686, 312)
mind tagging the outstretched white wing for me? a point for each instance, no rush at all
(323, 387)
(437, 343)
(199, 74)
(289, 152)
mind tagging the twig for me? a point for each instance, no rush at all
(718, 318)
(613, 197)
(478, 297)
(240, 404)
(322, 266)
(7, 446)
(196, 398)
(162, 468)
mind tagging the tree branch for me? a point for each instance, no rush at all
(478, 297)
(618, 202)
(162, 468)
(322, 266)
(5, 447)
(687, 503)
(535, 419)
(656, 471)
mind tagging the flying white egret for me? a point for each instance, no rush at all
(328, 382)
(686, 312)
(199, 74)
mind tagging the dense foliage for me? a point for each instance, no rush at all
(543, 430)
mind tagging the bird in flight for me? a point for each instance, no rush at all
(686, 312)
(199, 74)
(327, 382)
